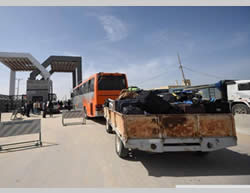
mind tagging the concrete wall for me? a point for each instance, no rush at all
(242, 123)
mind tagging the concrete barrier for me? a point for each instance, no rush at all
(242, 123)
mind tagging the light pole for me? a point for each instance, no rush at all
(18, 81)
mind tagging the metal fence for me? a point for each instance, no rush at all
(9, 103)
(73, 114)
(16, 128)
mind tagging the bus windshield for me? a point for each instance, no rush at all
(110, 82)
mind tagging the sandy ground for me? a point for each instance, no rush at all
(84, 156)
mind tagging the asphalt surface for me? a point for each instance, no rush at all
(84, 156)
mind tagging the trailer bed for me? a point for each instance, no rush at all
(173, 132)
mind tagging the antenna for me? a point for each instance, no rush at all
(182, 72)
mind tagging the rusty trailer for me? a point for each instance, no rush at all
(170, 132)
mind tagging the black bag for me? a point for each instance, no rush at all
(120, 104)
(132, 110)
(151, 103)
(169, 98)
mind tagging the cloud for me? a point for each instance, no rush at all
(156, 72)
(115, 29)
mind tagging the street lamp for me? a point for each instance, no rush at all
(18, 81)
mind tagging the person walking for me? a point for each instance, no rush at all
(50, 108)
(44, 109)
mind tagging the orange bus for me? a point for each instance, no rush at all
(91, 94)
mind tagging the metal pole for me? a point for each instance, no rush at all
(183, 76)
(18, 81)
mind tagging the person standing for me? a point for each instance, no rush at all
(25, 107)
(28, 107)
(69, 103)
(50, 108)
(44, 109)
(38, 107)
(31, 103)
(34, 108)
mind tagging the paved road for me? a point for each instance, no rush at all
(84, 156)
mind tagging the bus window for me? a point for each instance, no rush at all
(81, 90)
(91, 85)
(111, 82)
(84, 89)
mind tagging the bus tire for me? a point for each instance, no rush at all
(121, 151)
(109, 129)
(240, 109)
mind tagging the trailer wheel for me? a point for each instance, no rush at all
(240, 109)
(121, 151)
(108, 127)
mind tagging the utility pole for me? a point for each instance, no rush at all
(18, 81)
(182, 72)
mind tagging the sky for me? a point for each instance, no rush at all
(143, 42)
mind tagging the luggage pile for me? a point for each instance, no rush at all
(192, 102)
(148, 102)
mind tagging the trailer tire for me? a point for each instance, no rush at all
(202, 153)
(240, 109)
(121, 151)
(108, 127)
